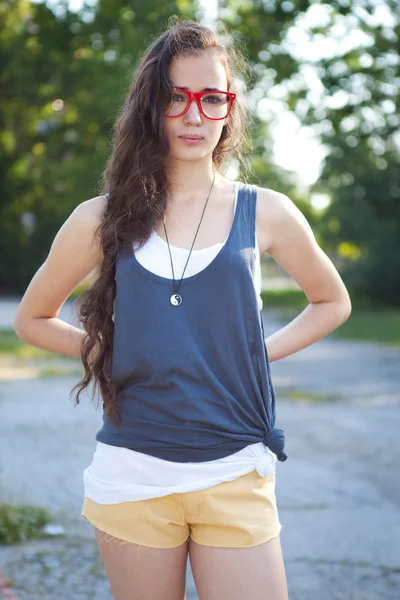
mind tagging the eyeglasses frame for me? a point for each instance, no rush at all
(197, 96)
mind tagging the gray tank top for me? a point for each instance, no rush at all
(193, 381)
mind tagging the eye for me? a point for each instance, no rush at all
(177, 97)
(214, 98)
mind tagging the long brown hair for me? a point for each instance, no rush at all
(135, 177)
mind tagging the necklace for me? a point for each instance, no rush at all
(176, 298)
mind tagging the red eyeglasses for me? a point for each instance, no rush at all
(214, 105)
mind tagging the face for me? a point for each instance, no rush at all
(195, 73)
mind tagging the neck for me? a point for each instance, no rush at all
(189, 183)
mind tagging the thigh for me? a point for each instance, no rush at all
(235, 549)
(143, 546)
(137, 572)
(236, 573)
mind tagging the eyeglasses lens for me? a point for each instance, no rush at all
(215, 104)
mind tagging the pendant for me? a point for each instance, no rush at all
(176, 299)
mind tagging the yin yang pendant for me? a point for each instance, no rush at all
(176, 299)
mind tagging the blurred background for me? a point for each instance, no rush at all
(324, 92)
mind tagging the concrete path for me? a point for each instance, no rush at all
(338, 493)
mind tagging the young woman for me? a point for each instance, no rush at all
(173, 334)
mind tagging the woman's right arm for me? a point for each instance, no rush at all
(73, 255)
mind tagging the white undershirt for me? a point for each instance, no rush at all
(122, 475)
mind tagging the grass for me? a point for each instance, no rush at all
(11, 344)
(59, 372)
(304, 395)
(80, 288)
(291, 298)
(366, 323)
(15, 354)
(20, 523)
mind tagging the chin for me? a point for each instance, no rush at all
(189, 154)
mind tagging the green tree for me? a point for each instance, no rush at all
(63, 78)
(356, 115)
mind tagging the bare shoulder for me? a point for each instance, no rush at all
(87, 216)
(289, 239)
(275, 211)
(74, 253)
(92, 209)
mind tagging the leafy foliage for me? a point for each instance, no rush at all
(64, 75)
(63, 78)
(21, 523)
(355, 113)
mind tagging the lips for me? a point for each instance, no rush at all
(191, 137)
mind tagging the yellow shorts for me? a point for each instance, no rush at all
(233, 514)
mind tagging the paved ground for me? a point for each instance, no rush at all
(338, 493)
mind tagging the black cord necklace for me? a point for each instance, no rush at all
(176, 298)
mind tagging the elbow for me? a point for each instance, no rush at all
(19, 331)
(345, 308)
(20, 328)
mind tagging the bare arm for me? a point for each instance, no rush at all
(74, 253)
(292, 244)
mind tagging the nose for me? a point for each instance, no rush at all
(193, 114)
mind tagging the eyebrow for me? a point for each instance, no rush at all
(209, 89)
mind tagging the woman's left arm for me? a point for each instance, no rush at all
(292, 244)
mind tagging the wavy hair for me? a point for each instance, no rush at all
(135, 177)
